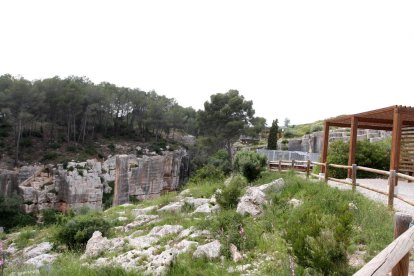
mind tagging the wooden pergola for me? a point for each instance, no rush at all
(398, 119)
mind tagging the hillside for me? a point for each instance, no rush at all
(276, 228)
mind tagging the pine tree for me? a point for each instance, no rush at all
(272, 139)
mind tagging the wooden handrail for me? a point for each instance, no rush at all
(388, 258)
(366, 169)
(340, 166)
(318, 163)
(406, 177)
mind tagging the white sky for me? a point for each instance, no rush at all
(305, 60)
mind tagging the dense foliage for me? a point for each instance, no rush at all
(11, 214)
(272, 139)
(374, 155)
(76, 231)
(76, 110)
(329, 225)
(250, 164)
(229, 196)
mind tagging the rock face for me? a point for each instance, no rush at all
(253, 200)
(82, 184)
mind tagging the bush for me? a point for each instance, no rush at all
(50, 155)
(232, 227)
(11, 214)
(76, 231)
(208, 172)
(221, 161)
(50, 216)
(249, 164)
(374, 155)
(229, 197)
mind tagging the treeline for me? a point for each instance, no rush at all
(76, 110)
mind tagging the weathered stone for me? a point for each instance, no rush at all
(121, 189)
(143, 241)
(235, 254)
(37, 250)
(139, 221)
(210, 250)
(160, 231)
(186, 232)
(196, 202)
(184, 246)
(174, 207)
(96, 245)
(42, 260)
(274, 186)
(143, 211)
(205, 208)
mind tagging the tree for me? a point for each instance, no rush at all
(272, 139)
(225, 117)
(287, 122)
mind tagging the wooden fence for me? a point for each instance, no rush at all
(395, 257)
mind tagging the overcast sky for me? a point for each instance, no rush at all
(305, 60)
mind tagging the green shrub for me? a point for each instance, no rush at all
(11, 214)
(288, 134)
(54, 145)
(50, 216)
(249, 164)
(50, 155)
(208, 172)
(221, 161)
(229, 197)
(232, 227)
(23, 238)
(111, 147)
(76, 231)
(374, 155)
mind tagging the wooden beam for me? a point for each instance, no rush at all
(352, 144)
(401, 224)
(363, 126)
(325, 144)
(396, 142)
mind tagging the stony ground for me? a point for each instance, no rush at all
(149, 238)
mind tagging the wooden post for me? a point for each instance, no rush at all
(280, 165)
(293, 164)
(352, 144)
(354, 176)
(325, 144)
(396, 142)
(307, 169)
(391, 184)
(401, 224)
(326, 172)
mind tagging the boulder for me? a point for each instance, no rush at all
(143, 211)
(196, 202)
(42, 260)
(139, 221)
(160, 231)
(174, 207)
(210, 250)
(96, 244)
(38, 249)
(205, 208)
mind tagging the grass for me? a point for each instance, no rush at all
(370, 225)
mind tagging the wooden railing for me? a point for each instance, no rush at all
(392, 176)
(395, 256)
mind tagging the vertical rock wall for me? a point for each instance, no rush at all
(121, 180)
(8, 183)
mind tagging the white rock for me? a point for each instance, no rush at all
(275, 185)
(139, 221)
(235, 254)
(210, 250)
(352, 206)
(295, 202)
(160, 231)
(174, 207)
(184, 246)
(143, 241)
(37, 250)
(200, 233)
(42, 259)
(186, 232)
(196, 202)
(185, 192)
(143, 211)
(205, 208)
(96, 244)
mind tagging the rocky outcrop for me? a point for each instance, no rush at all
(210, 250)
(8, 183)
(253, 200)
